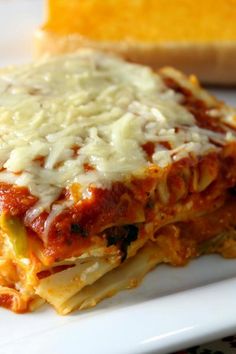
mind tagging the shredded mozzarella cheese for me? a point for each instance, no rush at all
(88, 108)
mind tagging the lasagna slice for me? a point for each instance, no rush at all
(107, 169)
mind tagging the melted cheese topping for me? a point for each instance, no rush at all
(89, 108)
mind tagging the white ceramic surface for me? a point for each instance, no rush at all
(174, 308)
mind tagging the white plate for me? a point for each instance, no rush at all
(174, 307)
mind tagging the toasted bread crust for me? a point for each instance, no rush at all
(212, 63)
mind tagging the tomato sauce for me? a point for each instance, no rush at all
(149, 148)
(207, 226)
(90, 215)
(6, 300)
(197, 107)
(15, 200)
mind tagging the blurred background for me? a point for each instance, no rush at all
(18, 21)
